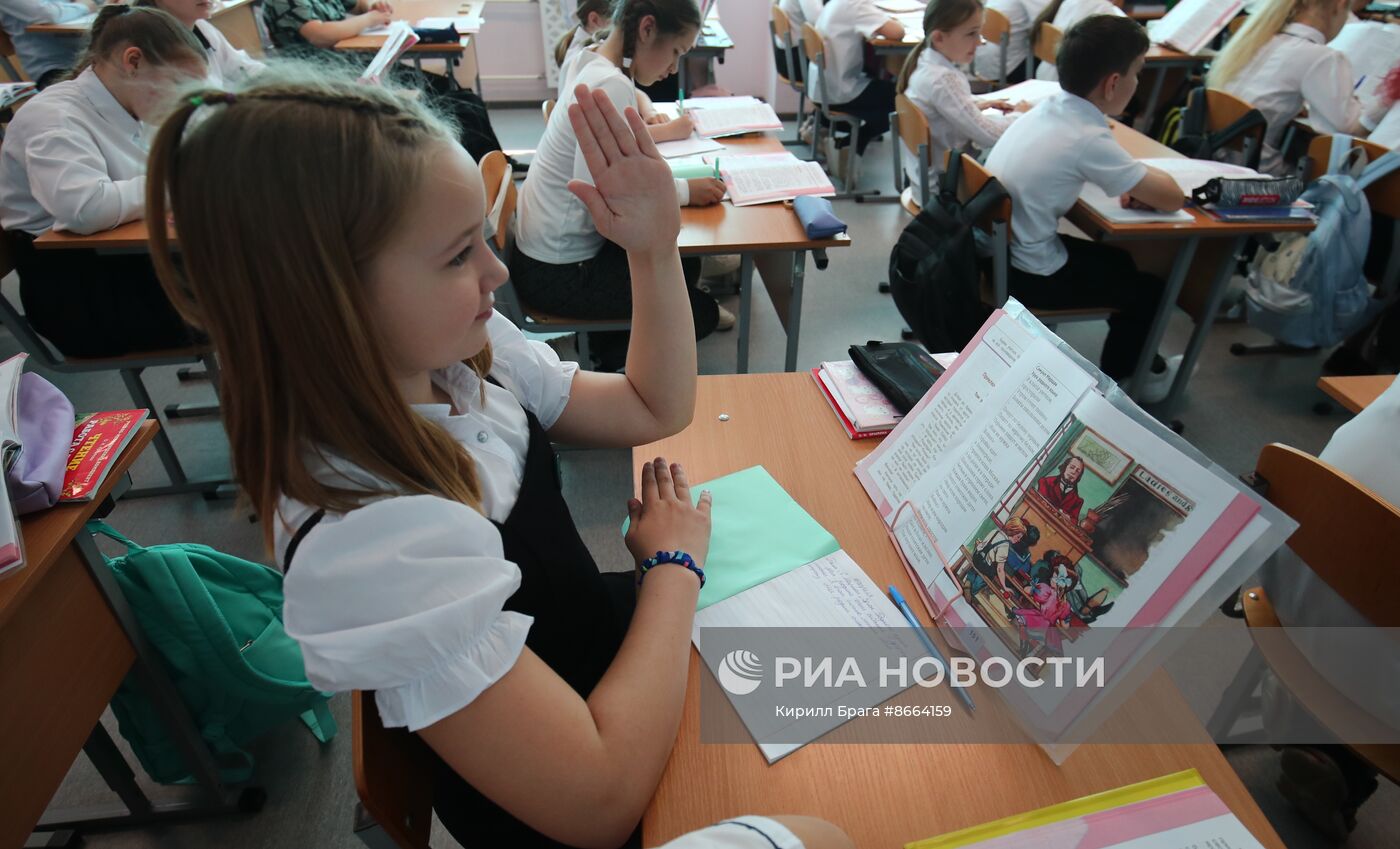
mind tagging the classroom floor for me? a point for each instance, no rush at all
(1232, 409)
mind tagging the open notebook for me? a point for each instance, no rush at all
(1192, 24)
(770, 177)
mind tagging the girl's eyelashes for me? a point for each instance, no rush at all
(460, 258)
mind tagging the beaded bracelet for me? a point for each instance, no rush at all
(677, 557)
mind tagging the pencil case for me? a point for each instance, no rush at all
(445, 35)
(1244, 191)
(903, 371)
(817, 218)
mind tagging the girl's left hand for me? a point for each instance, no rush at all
(1001, 105)
(632, 199)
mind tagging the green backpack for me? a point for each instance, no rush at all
(216, 620)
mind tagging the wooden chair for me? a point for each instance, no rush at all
(495, 174)
(7, 50)
(1383, 196)
(781, 27)
(1341, 527)
(996, 28)
(129, 366)
(393, 778)
(1224, 109)
(814, 47)
(1047, 44)
(910, 129)
(994, 291)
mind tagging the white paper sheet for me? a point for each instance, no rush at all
(1030, 91)
(1112, 209)
(692, 146)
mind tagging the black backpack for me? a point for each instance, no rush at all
(1195, 141)
(934, 270)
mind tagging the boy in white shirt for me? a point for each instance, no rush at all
(1045, 158)
(845, 26)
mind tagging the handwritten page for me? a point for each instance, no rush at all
(1191, 24)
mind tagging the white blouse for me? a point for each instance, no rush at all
(1070, 13)
(227, 64)
(1387, 131)
(1295, 68)
(1021, 14)
(72, 158)
(943, 93)
(404, 596)
(554, 225)
(845, 26)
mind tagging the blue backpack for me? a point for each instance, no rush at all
(1311, 291)
(216, 621)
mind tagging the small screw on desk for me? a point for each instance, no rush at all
(724, 417)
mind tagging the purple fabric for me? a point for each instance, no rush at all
(46, 430)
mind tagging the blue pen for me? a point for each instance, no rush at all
(928, 644)
(1359, 82)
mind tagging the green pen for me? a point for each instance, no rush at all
(680, 99)
(716, 167)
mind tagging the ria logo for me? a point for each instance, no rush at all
(740, 672)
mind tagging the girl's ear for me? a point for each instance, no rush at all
(131, 59)
(646, 30)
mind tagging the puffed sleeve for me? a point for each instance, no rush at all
(531, 370)
(1328, 91)
(747, 832)
(404, 597)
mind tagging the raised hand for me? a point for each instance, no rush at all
(632, 199)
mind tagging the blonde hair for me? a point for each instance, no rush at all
(283, 193)
(156, 33)
(940, 16)
(1265, 21)
(1013, 525)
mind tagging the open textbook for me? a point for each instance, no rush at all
(1192, 24)
(1372, 48)
(1040, 512)
(770, 177)
(727, 116)
(398, 38)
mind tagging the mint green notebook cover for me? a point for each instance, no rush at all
(758, 532)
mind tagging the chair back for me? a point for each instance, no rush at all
(911, 124)
(996, 28)
(393, 778)
(495, 175)
(1383, 196)
(997, 221)
(9, 59)
(814, 48)
(781, 27)
(1048, 42)
(547, 109)
(1343, 528)
(1224, 109)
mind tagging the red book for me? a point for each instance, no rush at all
(846, 425)
(98, 440)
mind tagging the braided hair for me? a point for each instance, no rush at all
(159, 37)
(673, 17)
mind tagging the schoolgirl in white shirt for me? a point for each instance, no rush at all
(1065, 14)
(403, 468)
(227, 64)
(1279, 62)
(798, 12)
(593, 15)
(562, 264)
(845, 26)
(1021, 14)
(932, 79)
(74, 158)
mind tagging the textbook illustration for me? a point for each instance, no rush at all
(1065, 540)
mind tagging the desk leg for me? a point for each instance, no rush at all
(1218, 287)
(1151, 108)
(745, 310)
(1175, 280)
(794, 322)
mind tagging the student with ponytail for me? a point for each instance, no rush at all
(1279, 62)
(1065, 14)
(592, 15)
(74, 158)
(932, 79)
(227, 64)
(563, 264)
(393, 433)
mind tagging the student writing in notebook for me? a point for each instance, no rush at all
(1064, 14)
(1045, 159)
(227, 64)
(1021, 14)
(403, 470)
(1279, 62)
(932, 79)
(845, 25)
(74, 158)
(563, 264)
(45, 58)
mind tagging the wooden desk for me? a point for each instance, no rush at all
(415, 10)
(769, 235)
(236, 19)
(1223, 239)
(710, 45)
(1356, 393)
(67, 640)
(882, 795)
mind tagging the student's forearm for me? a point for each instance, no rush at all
(637, 704)
(327, 34)
(661, 357)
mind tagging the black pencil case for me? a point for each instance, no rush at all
(902, 370)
